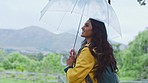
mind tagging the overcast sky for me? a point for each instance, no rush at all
(17, 14)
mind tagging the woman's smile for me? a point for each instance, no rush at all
(86, 29)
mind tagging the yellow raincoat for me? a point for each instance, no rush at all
(84, 66)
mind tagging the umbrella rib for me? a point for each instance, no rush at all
(74, 6)
(79, 26)
(45, 9)
(61, 21)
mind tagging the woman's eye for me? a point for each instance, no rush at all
(86, 25)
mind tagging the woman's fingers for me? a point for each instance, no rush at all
(72, 52)
(70, 60)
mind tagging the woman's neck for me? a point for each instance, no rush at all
(88, 40)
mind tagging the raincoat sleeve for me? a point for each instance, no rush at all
(84, 64)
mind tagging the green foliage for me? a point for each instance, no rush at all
(117, 55)
(18, 61)
(144, 69)
(33, 66)
(7, 64)
(133, 62)
(51, 63)
(2, 55)
(37, 57)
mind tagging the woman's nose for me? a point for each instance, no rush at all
(82, 28)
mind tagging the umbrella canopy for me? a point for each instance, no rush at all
(70, 15)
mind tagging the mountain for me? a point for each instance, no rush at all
(35, 38)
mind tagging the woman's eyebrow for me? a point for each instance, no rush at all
(87, 23)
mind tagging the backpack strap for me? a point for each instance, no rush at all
(88, 79)
(81, 49)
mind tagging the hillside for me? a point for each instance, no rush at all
(36, 39)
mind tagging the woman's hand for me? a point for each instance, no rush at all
(73, 53)
(72, 58)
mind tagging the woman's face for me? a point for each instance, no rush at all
(87, 29)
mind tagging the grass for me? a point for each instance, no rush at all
(126, 78)
(13, 80)
(27, 78)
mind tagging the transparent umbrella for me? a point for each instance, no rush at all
(69, 15)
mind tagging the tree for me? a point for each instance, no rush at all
(117, 55)
(141, 2)
(2, 58)
(2, 55)
(36, 57)
(33, 66)
(135, 58)
(7, 64)
(17, 61)
(51, 64)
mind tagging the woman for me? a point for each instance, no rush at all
(94, 57)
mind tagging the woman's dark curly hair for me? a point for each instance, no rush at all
(103, 50)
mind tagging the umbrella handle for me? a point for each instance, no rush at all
(63, 59)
